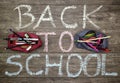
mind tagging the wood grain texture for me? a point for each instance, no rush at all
(63, 2)
(108, 18)
(35, 64)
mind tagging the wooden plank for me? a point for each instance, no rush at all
(53, 42)
(59, 80)
(59, 2)
(106, 18)
(112, 64)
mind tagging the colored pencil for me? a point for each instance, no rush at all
(91, 40)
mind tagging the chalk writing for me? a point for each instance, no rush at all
(100, 68)
(87, 58)
(47, 10)
(46, 38)
(60, 41)
(24, 14)
(27, 65)
(86, 17)
(9, 61)
(50, 18)
(104, 66)
(65, 24)
(54, 65)
(83, 65)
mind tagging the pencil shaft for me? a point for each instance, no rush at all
(100, 38)
(91, 40)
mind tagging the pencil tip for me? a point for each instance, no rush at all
(5, 48)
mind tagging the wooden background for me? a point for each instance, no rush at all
(108, 18)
